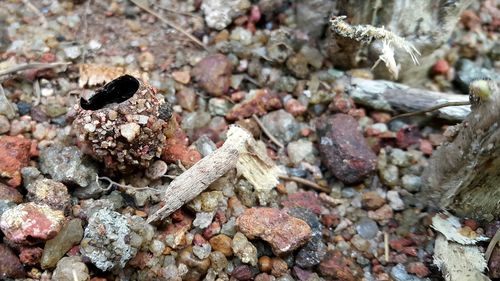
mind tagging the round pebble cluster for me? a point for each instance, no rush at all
(123, 133)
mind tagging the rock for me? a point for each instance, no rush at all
(257, 102)
(30, 174)
(10, 194)
(493, 263)
(107, 241)
(72, 52)
(344, 149)
(395, 201)
(177, 149)
(281, 125)
(390, 175)
(420, 269)
(283, 232)
(197, 268)
(218, 261)
(6, 107)
(411, 183)
(30, 223)
(30, 255)
(130, 130)
(15, 154)
(338, 267)
(205, 145)
(244, 249)
(468, 71)
(68, 165)
(10, 266)
(383, 213)
(310, 16)
(398, 273)
(222, 243)
(440, 67)
(304, 199)
(242, 272)
(4, 124)
(182, 77)
(359, 243)
(295, 107)
(220, 13)
(213, 73)
(372, 200)
(71, 269)
(203, 219)
(367, 228)
(186, 98)
(71, 234)
(50, 192)
(301, 150)
(156, 170)
(399, 158)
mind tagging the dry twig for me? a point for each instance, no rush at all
(306, 183)
(491, 246)
(38, 92)
(124, 186)
(430, 109)
(34, 65)
(266, 132)
(171, 24)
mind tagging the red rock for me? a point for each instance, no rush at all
(283, 232)
(176, 148)
(426, 147)
(381, 214)
(10, 194)
(213, 74)
(338, 267)
(473, 224)
(344, 149)
(178, 231)
(294, 107)
(372, 200)
(407, 136)
(410, 251)
(304, 199)
(211, 230)
(15, 154)
(255, 14)
(257, 102)
(418, 268)
(341, 103)
(31, 256)
(242, 272)
(470, 20)
(400, 244)
(494, 263)
(10, 266)
(30, 223)
(141, 260)
(441, 67)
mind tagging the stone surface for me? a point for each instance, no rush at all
(213, 74)
(372, 200)
(30, 255)
(301, 150)
(283, 232)
(177, 149)
(10, 194)
(344, 149)
(50, 192)
(399, 273)
(4, 124)
(71, 269)
(10, 266)
(107, 240)
(220, 13)
(244, 249)
(55, 248)
(256, 102)
(494, 263)
(282, 125)
(304, 199)
(222, 243)
(30, 223)
(68, 165)
(15, 154)
(338, 267)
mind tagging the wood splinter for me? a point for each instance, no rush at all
(239, 151)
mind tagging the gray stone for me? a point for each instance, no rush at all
(219, 106)
(281, 125)
(220, 13)
(70, 235)
(4, 124)
(399, 273)
(71, 269)
(301, 150)
(411, 183)
(468, 71)
(72, 52)
(68, 165)
(367, 228)
(205, 145)
(106, 240)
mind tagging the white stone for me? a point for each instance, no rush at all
(130, 131)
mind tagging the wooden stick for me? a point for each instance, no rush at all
(266, 132)
(395, 97)
(306, 183)
(189, 184)
(34, 65)
(169, 23)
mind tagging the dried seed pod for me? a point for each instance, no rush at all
(124, 124)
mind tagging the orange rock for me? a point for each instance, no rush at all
(176, 148)
(15, 154)
(259, 103)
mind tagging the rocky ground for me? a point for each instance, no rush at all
(70, 213)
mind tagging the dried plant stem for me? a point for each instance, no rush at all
(178, 12)
(430, 109)
(266, 132)
(493, 243)
(306, 183)
(34, 65)
(38, 92)
(169, 23)
(112, 182)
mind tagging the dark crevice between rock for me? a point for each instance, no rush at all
(116, 91)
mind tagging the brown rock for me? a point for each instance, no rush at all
(197, 268)
(344, 149)
(294, 107)
(338, 267)
(257, 102)
(265, 264)
(50, 192)
(372, 200)
(279, 267)
(10, 194)
(222, 243)
(186, 98)
(381, 214)
(31, 256)
(407, 136)
(15, 154)
(182, 77)
(242, 272)
(284, 232)
(304, 199)
(419, 269)
(10, 266)
(341, 103)
(176, 148)
(213, 74)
